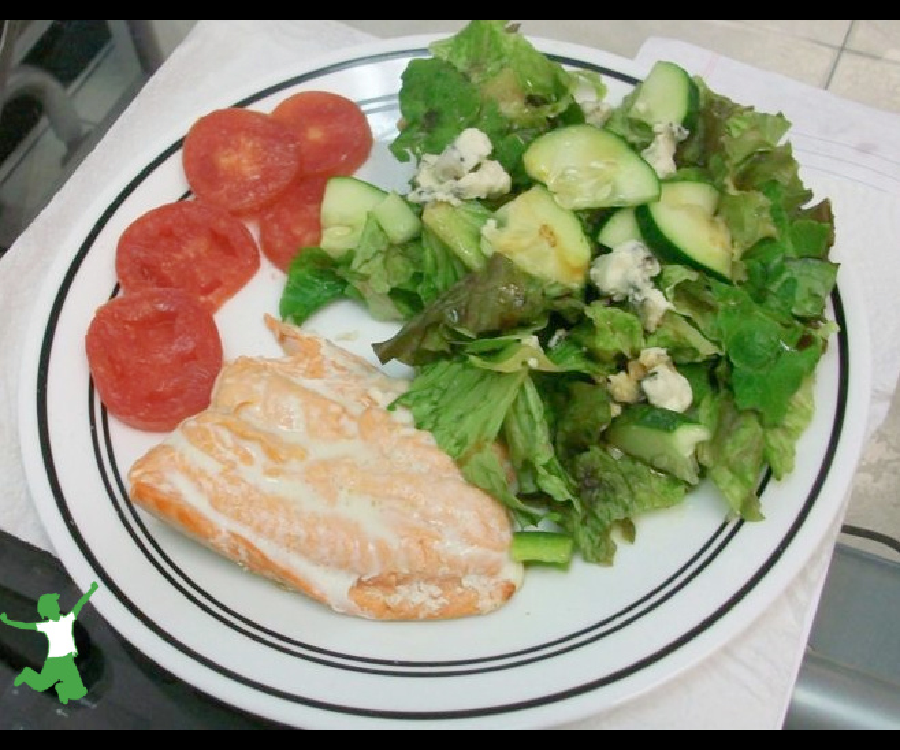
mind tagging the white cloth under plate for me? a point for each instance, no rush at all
(748, 684)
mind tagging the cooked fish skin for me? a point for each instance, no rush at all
(298, 472)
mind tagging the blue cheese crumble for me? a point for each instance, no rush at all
(462, 172)
(627, 273)
(653, 378)
(661, 153)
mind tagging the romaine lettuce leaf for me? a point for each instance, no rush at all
(394, 282)
(374, 268)
(610, 333)
(511, 353)
(581, 413)
(569, 355)
(682, 341)
(614, 489)
(735, 458)
(313, 282)
(531, 450)
(780, 443)
(464, 407)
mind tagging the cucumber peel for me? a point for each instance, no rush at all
(667, 95)
(667, 440)
(682, 227)
(345, 207)
(398, 220)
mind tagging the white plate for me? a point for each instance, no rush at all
(567, 646)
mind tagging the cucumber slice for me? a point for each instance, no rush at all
(586, 167)
(345, 207)
(620, 228)
(540, 236)
(681, 227)
(693, 192)
(544, 547)
(397, 218)
(667, 440)
(667, 95)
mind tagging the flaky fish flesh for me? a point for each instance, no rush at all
(299, 472)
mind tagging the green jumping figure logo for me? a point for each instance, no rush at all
(59, 669)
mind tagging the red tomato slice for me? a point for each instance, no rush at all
(335, 137)
(154, 356)
(188, 245)
(293, 222)
(239, 159)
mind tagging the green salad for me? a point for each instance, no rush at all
(604, 303)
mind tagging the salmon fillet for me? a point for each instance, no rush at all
(298, 472)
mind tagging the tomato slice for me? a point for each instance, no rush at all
(239, 159)
(293, 222)
(154, 356)
(334, 134)
(188, 245)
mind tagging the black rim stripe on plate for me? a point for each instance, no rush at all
(709, 550)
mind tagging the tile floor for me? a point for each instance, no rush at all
(858, 60)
